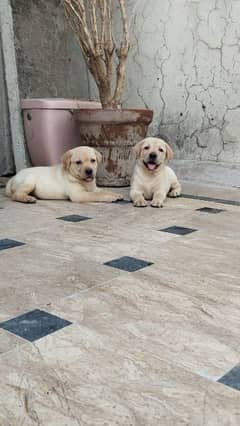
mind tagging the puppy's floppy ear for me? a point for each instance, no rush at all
(169, 152)
(98, 155)
(66, 159)
(137, 148)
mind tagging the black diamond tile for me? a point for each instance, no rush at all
(74, 218)
(7, 244)
(210, 210)
(129, 264)
(232, 378)
(121, 202)
(34, 324)
(178, 230)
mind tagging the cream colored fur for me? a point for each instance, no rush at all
(153, 180)
(66, 181)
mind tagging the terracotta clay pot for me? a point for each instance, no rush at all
(113, 133)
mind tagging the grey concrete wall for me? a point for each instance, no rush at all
(186, 58)
(6, 157)
(48, 57)
(13, 150)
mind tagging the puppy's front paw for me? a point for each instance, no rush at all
(30, 200)
(140, 202)
(157, 203)
(175, 193)
(113, 196)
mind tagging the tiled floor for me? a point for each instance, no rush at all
(130, 318)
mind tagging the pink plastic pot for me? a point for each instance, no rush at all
(50, 129)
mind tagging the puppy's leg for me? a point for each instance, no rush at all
(95, 197)
(137, 198)
(158, 199)
(22, 194)
(19, 188)
(175, 190)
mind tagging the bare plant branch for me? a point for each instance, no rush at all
(125, 44)
(91, 21)
(94, 27)
(122, 53)
(76, 14)
(103, 13)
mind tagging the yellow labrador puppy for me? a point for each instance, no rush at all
(151, 179)
(73, 180)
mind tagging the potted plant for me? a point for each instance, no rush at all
(111, 129)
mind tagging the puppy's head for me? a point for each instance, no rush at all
(152, 152)
(82, 163)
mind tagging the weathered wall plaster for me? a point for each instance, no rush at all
(186, 58)
(12, 139)
(49, 60)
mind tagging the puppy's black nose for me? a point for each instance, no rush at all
(88, 172)
(152, 156)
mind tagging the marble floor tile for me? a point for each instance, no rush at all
(128, 264)
(157, 316)
(144, 348)
(224, 224)
(33, 277)
(232, 378)
(97, 243)
(95, 379)
(178, 230)
(34, 325)
(17, 218)
(8, 341)
(6, 244)
(210, 210)
(214, 191)
(75, 218)
(212, 200)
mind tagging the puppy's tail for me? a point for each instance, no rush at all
(9, 188)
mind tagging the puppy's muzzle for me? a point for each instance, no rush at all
(151, 163)
(152, 156)
(89, 174)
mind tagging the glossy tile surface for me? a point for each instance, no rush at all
(8, 341)
(178, 230)
(34, 325)
(127, 263)
(232, 378)
(78, 375)
(154, 346)
(209, 210)
(73, 218)
(7, 243)
(212, 199)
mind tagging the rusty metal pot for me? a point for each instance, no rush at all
(113, 133)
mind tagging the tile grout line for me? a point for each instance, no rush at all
(210, 199)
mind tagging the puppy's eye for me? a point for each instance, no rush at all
(161, 150)
(78, 162)
(93, 160)
(146, 147)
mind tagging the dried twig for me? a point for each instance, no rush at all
(122, 53)
(91, 21)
